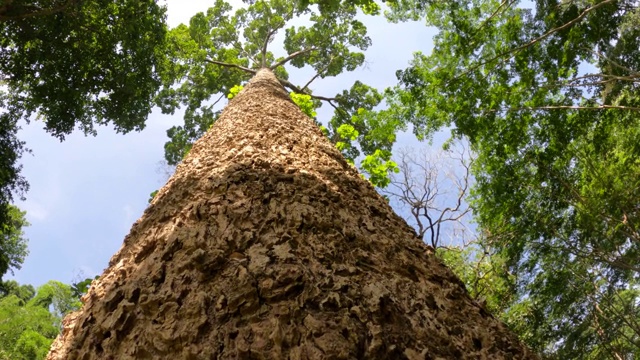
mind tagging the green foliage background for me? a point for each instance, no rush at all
(30, 320)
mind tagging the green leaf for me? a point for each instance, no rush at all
(235, 90)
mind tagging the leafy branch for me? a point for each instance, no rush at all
(229, 65)
(10, 11)
(291, 57)
(516, 50)
(565, 107)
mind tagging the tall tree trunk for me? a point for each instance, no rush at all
(266, 244)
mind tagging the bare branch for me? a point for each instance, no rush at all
(318, 74)
(418, 188)
(567, 107)
(297, 90)
(217, 101)
(266, 43)
(285, 83)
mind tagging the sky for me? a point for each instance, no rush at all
(86, 192)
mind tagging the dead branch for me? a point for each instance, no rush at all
(418, 187)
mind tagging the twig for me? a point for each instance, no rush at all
(567, 107)
(291, 56)
(534, 41)
(221, 63)
(319, 73)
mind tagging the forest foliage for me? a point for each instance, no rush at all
(30, 319)
(544, 93)
(74, 64)
(548, 99)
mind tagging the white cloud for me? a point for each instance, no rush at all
(35, 211)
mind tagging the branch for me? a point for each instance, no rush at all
(35, 10)
(536, 40)
(291, 56)
(576, 82)
(319, 73)
(590, 253)
(567, 107)
(246, 53)
(217, 101)
(613, 62)
(250, 71)
(264, 46)
(495, 13)
(287, 83)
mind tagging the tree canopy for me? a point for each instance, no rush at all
(548, 98)
(220, 50)
(74, 64)
(28, 327)
(13, 244)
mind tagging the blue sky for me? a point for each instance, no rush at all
(86, 192)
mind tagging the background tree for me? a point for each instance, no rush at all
(30, 319)
(549, 101)
(11, 287)
(218, 51)
(433, 190)
(74, 64)
(13, 244)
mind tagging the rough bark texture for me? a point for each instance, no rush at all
(266, 244)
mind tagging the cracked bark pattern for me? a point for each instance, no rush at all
(266, 244)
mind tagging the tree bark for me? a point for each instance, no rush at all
(267, 244)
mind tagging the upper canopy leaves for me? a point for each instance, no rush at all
(74, 63)
(93, 62)
(219, 50)
(549, 100)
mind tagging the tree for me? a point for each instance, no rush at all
(13, 244)
(549, 102)
(433, 190)
(219, 51)
(22, 292)
(266, 243)
(16, 10)
(28, 328)
(74, 64)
